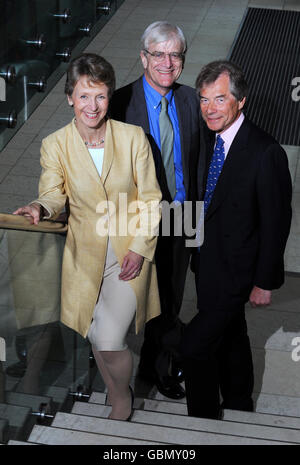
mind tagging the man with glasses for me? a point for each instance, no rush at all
(169, 115)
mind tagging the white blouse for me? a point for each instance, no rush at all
(97, 156)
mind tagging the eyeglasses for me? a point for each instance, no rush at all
(161, 56)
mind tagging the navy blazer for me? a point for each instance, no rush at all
(128, 104)
(247, 222)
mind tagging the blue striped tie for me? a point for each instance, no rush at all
(214, 171)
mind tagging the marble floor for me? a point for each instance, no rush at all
(210, 27)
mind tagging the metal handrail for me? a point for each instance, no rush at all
(8, 221)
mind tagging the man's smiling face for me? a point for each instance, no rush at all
(219, 108)
(161, 75)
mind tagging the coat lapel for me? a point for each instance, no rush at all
(139, 107)
(108, 151)
(231, 168)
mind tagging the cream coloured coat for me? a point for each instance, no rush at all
(68, 172)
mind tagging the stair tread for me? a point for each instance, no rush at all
(56, 436)
(15, 414)
(268, 419)
(14, 442)
(229, 415)
(56, 393)
(142, 431)
(179, 408)
(26, 400)
(275, 404)
(232, 428)
(97, 397)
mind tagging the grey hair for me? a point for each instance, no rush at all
(210, 73)
(161, 31)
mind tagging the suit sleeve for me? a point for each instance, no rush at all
(148, 198)
(52, 195)
(274, 192)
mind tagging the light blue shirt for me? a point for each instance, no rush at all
(153, 99)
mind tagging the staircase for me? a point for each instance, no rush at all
(162, 422)
(159, 421)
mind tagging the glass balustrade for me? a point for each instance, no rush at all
(42, 362)
(37, 39)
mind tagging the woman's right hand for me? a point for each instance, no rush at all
(32, 212)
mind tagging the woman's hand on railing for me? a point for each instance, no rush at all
(32, 212)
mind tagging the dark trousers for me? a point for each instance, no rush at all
(217, 359)
(163, 333)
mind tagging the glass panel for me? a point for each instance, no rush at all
(37, 39)
(42, 359)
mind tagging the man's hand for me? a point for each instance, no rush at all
(131, 266)
(32, 212)
(259, 297)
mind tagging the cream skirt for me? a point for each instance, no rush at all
(114, 310)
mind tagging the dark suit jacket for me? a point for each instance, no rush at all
(128, 104)
(247, 223)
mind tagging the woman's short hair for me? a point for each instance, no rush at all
(161, 31)
(95, 67)
(211, 72)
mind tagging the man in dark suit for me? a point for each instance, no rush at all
(175, 147)
(247, 205)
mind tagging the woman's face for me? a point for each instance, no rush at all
(90, 101)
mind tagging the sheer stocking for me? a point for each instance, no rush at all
(116, 370)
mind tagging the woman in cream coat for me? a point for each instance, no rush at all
(104, 170)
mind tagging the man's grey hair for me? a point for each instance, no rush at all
(210, 73)
(161, 31)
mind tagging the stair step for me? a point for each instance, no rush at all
(20, 420)
(278, 405)
(57, 393)
(14, 442)
(15, 414)
(266, 419)
(229, 415)
(156, 433)
(97, 397)
(100, 398)
(165, 406)
(94, 410)
(26, 400)
(265, 404)
(232, 428)
(197, 424)
(61, 436)
(179, 408)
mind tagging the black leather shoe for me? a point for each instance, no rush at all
(170, 387)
